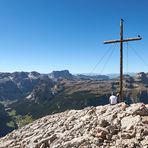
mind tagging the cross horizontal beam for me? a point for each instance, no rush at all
(125, 40)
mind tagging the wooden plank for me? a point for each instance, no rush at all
(125, 40)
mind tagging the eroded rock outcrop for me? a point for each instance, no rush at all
(106, 126)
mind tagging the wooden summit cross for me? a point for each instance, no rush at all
(121, 40)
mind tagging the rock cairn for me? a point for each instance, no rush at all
(109, 126)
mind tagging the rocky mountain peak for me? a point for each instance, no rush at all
(102, 126)
(19, 75)
(34, 74)
(142, 77)
(128, 78)
(61, 74)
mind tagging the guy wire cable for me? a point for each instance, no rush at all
(108, 58)
(139, 56)
(101, 59)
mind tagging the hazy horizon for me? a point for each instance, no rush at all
(130, 73)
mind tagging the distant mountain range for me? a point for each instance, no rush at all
(19, 84)
(115, 75)
(39, 87)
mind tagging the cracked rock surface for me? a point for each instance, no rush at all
(109, 126)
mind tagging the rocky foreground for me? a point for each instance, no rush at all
(116, 126)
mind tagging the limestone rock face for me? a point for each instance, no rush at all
(115, 126)
(143, 77)
(61, 74)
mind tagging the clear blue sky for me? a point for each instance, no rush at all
(46, 35)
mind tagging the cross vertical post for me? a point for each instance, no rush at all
(121, 40)
(121, 61)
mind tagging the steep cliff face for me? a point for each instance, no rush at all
(42, 92)
(106, 126)
(16, 85)
(61, 74)
(8, 89)
(142, 77)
